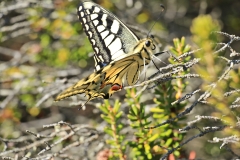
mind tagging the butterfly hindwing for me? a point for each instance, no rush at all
(110, 38)
(90, 86)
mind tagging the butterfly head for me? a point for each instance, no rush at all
(148, 43)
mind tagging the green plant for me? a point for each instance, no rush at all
(112, 115)
(146, 142)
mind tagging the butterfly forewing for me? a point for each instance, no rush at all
(110, 38)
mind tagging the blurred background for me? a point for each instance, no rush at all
(43, 46)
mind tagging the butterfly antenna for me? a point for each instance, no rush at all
(145, 69)
(163, 8)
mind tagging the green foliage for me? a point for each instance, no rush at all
(58, 36)
(202, 28)
(179, 48)
(164, 110)
(113, 116)
(211, 68)
(142, 144)
(152, 143)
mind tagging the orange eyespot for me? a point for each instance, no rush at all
(116, 87)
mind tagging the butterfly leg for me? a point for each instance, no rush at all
(144, 70)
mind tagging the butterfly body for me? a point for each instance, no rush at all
(119, 55)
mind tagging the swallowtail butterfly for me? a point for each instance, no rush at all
(120, 55)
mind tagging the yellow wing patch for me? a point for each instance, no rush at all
(104, 82)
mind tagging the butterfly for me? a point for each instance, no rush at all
(120, 55)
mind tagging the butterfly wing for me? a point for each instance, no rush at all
(129, 68)
(90, 86)
(110, 38)
(109, 79)
(100, 84)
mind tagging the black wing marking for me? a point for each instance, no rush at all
(110, 38)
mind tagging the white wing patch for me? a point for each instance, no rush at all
(95, 22)
(96, 49)
(104, 20)
(87, 27)
(81, 14)
(115, 26)
(84, 20)
(100, 28)
(93, 41)
(115, 46)
(80, 8)
(93, 16)
(88, 12)
(90, 34)
(96, 10)
(104, 34)
(118, 55)
(109, 39)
